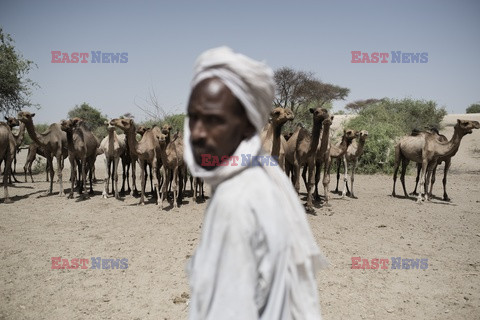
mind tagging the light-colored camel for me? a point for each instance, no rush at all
(54, 143)
(426, 149)
(146, 151)
(166, 130)
(7, 149)
(322, 158)
(173, 166)
(112, 146)
(301, 149)
(354, 152)
(82, 149)
(338, 152)
(141, 131)
(441, 138)
(272, 140)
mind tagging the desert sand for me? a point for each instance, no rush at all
(158, 243)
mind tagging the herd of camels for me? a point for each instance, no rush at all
(162, 152)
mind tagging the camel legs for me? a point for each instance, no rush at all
(419, 168)
(142, 182)
(432, 180)
(352, 178)
(338, 173)
(395, 168)
(73, 176)
(6, 175)
(116, 160)
(345, 176)
(134, 184)
(326, 178)
(166, 178)
(155, 178)
(422, 180)
(405, 163)
(318, 166)
(106, 180)
(59, 174)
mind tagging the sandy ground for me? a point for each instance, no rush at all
(157, 244)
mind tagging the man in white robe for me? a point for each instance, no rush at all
(257, 257)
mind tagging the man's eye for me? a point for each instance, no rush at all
(214, 120)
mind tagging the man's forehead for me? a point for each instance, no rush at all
(212, 89)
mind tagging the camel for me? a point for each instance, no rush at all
(322, 157)
(426, 149)
(173, 168)
(146, 151)
(54, 143)
(300, 150)
(447, 160)
(272, 139)
(82, 149)
(338, 152)
(7, 150)
(354, 152)
(13, 122)
(141, 131)
(113, 146)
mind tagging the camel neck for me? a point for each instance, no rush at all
(360, 146)
(325, 139)
(111, 139)
(317, 127)
(451, 147)
(70, 144)
(276, 139)
(132, 140)
(33, 134)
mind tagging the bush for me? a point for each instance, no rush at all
(385, 123)
(474, 108)
(175, 120)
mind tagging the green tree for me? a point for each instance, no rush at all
(15, 87)
(385, 122)
(474, 108)
(94, 119)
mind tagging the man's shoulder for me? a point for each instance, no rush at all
(253, 180)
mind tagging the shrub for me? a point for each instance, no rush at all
(474, 108)
(385, 123)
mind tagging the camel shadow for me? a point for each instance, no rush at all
(21, 187)
(25, 196)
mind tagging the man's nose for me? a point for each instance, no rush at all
(198, 131)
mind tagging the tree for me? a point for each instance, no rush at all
(474, 108)
(93, 117)
(359, 105)
(298, 90)
(15, 88)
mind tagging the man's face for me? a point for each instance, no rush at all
(217, 120)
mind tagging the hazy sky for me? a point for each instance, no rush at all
(163, 39)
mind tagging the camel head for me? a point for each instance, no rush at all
(466, 126)
(280, 115)
(328, 122)
(70, 124)
(350, 134)
(125, 124)
(110, 128)
(141, 130)
(25, 116)
(319, 114)
(363, 135)
(12, 122)
(166, 128)
(161, 137)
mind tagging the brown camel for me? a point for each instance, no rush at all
(112, 146)
(82, 149)
(301, 149)
(272, 139)
(354, 152)
(322, 157)
(7, 150)
(426, 149)
(338, 152)
(141, 131)
(54, 143)
(146, 151)
(173, 166)
(13, 122)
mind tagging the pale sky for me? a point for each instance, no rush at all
(163, 39)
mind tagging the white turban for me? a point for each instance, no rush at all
(249, 80)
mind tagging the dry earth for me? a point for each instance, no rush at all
(157, 244)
